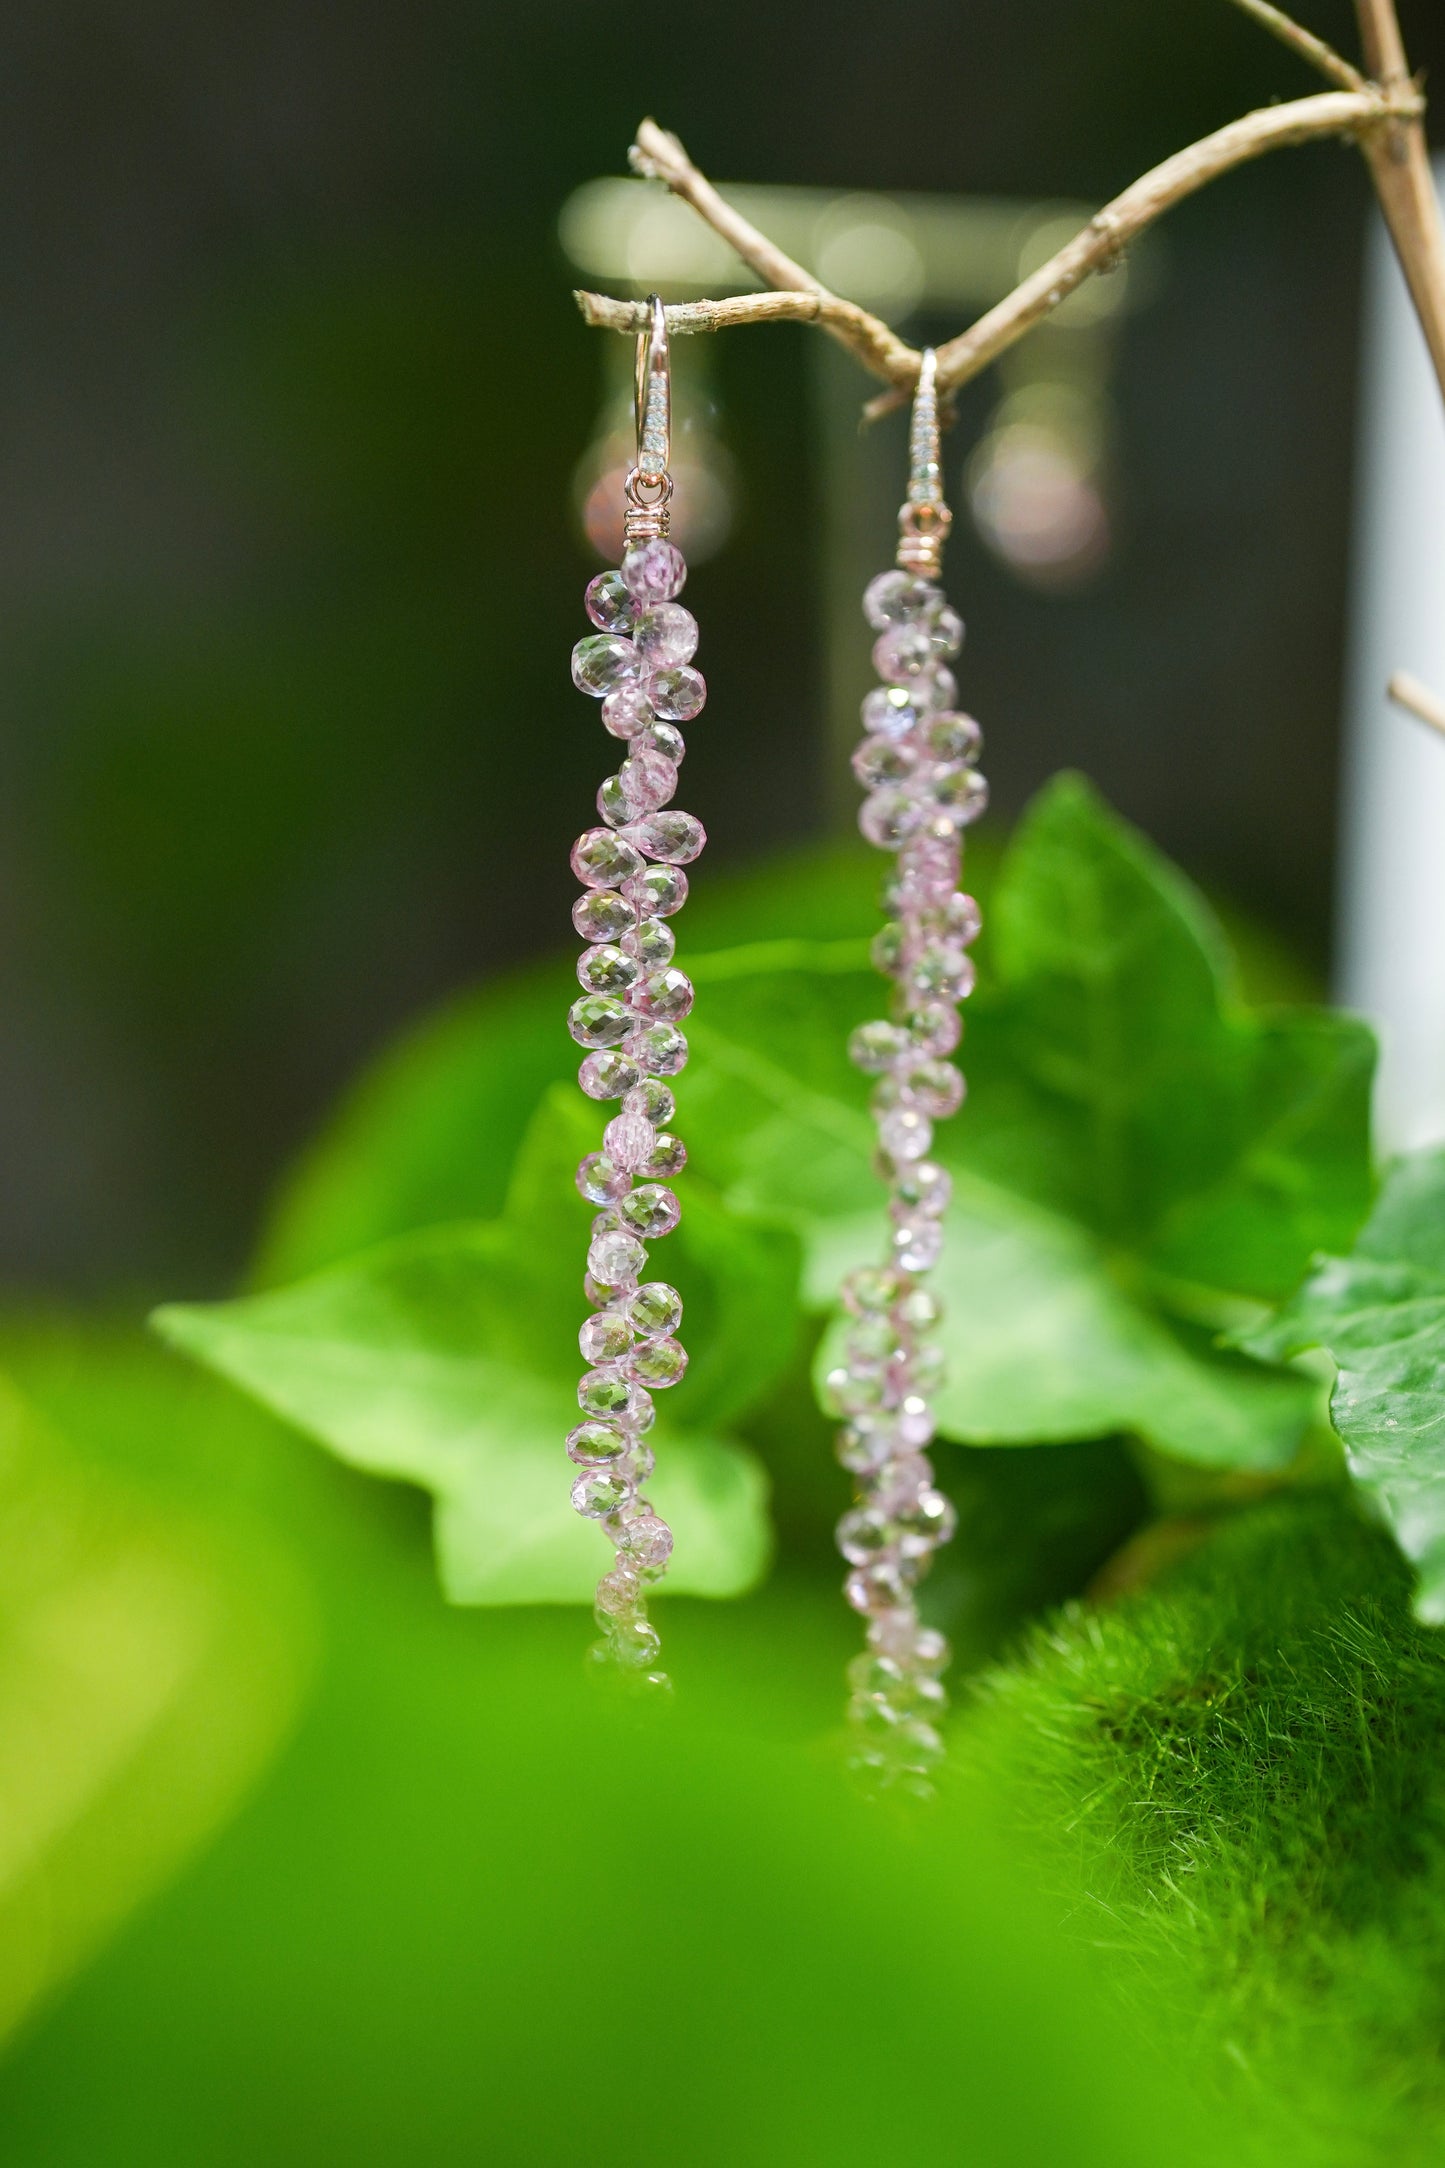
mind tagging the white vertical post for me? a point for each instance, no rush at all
(1391, 930)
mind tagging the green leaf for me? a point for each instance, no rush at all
(449, 1358)
(1380, 1316)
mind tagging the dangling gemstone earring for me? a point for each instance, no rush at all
(917, 766)
(639, 664)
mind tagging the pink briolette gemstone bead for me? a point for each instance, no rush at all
(654, 571)
(628, 1141)
(677, 694)
(626, 710)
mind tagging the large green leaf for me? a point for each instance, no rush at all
(449, 1358)
(1142, 1161)
(1380, 1316)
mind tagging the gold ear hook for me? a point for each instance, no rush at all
(925, 519)
(649, 485)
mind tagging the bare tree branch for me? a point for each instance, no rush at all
(801, 298)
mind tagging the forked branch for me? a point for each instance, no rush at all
(1382, 112)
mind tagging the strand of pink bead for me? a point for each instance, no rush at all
(917, 765)
(633, 1001)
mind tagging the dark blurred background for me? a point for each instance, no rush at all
(293, 392)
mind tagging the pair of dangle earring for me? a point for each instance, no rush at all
(917, 765)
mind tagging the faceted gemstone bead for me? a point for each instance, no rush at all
(677, 693)
(848, 1393)
(871, 1291)
(880, 1585)
(615, 1259)
(652, 941)
(664, 738)
(656, 891)
(652, 1100)
(886, 949)
(922, 1188)
(864, 1444)
(655, 1310)
(598, 1492)
(608, 604)
(659, 1049)
(636, 1643)
(612, 802)
(956, 739)
(862, 1535)
(894, 597)
(935, 1086)
(934, 1027)
(605, 1337)
(667, 1157)
(658, 1363)
(601, 859)
(601, 1180)
(675, 838)
(628, 1140)
(918, 1244)
(666, 634)
(930, 1651)
(962, 919)
(651, 1210)
(606, 1392)
(873, 1342)
(920, 1308)
(929, 1521)
(918, 1743)
(603, 660)
(882, 760)
(937, 688)
(941, 967)
(627, 711)
(945, 630)
(666, 994)
(607, 969)
(597, 1442)
(654, 571)
(873, 1048)
(638, 1463)
(599, 1020)
(618, 1592)
(889, 817)
(901, 652)
(601, 914)
(915, 1421)
(642, 1537)
(646, 781)
(962, 795)
(892, 711)
(906, 1133)
(608, 1074)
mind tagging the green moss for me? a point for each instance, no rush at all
(1239, 1778)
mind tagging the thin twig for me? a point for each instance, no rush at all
(879, 349)
(1408, 692)
(1306, 44)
